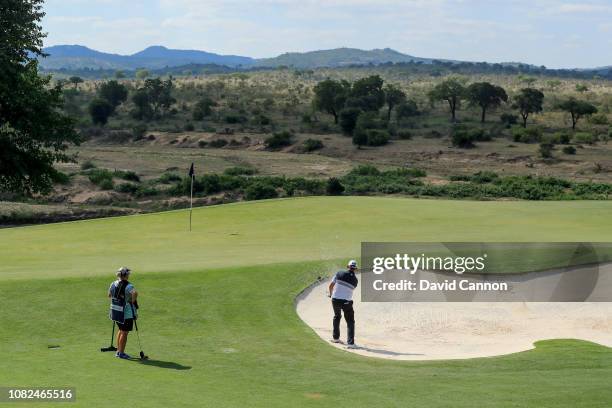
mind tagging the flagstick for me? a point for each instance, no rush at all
(191, 204)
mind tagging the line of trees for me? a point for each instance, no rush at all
(488, 96)
(356, 106)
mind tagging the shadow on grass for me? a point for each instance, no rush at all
(163, 364)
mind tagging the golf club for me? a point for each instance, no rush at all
(111, 347)
(142, 354)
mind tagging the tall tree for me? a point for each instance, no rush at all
(528, 101)
(34, 134)
(393, 96)
(487, 96)
(113, 92)
(75, 81)
(577, 109)
(330, 95)
(451, 90)
(367, 94)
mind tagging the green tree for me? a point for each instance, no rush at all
(406, 110)
(582, 88)
(577, 109)
(142, 106)
(119, 74)
(451, 90)
(528, 101)
(203, 108)
(142, 74)
(330, 95)
(100, 110)
(394, 97)
(487, 96)
(367, 94)
(348, 119)
(153, 99)
(160, 94)
(34, 134)
(75, 81)
(113, 92)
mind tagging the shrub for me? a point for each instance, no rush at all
(463, 137)
(139, 131)
(60, 178)
(88, 165)
(202, 143)
(365, 170)
(404, 134)
(546, 150)
(527, 135)
(569, 150)
(348, 120)
(127, 175)
(584, 138)
(599, 119)
(240, 171)
(508, 119)
(559, 138)
(334, 186)
(100, 176)
(377, 137)
(189, 127)
(218, 143)
(167, 178)
(126, 188)
(312, 145)
(235, 119)
(260, 191)
(279, 140)
(106, 184)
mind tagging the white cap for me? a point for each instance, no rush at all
(123, 271)
(352, 263)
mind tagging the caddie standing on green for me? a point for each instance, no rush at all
(123, 297)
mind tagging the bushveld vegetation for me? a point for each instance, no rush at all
(528, 126)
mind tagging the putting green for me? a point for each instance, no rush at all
(289, 230)
(222, 331)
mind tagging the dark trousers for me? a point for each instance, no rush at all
(344, 306)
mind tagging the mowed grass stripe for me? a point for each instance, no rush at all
(286, 230)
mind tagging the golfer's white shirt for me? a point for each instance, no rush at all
(342, 289)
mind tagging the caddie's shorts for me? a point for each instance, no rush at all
(127, 326)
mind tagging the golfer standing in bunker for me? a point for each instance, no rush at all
(123, 297)
(341, 292)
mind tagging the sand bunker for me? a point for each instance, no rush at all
(437, 331)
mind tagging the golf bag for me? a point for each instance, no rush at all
(117, 308)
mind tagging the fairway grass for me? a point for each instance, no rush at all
(218, 317)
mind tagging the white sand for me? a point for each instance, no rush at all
(436, 331)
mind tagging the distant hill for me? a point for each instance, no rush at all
(76, 57)
(338, 57)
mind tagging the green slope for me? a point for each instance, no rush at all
(291, 230)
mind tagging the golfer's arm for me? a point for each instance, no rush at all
(331, 288)
(134, 296)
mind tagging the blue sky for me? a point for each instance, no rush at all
(543, 32)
